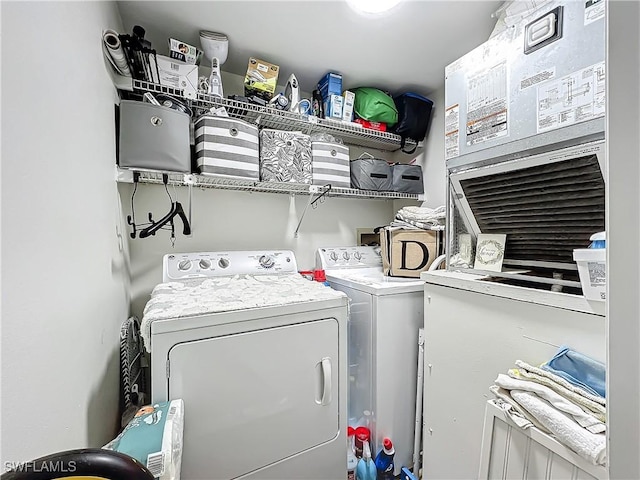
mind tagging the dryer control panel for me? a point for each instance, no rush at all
(179, 266)
(348, 257)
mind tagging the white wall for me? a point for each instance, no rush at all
(432, 161)
(623, 231)
(231, 220)
(64, 279)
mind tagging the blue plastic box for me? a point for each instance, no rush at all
(405, 474)
(330, 84)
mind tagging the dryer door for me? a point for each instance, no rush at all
(255, 398)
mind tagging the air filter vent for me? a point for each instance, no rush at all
(545, 210)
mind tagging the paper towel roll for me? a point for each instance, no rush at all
(114, 50)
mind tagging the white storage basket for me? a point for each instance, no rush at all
(330, 163)
(227, 147)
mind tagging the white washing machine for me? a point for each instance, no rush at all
(386, 314)
(258, 354)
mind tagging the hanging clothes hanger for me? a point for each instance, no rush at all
(176, 209)
(152, 227)
(131, 219)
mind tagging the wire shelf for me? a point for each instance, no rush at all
(206, 181)
(269, 117)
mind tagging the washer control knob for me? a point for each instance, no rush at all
(205, 264)
(184, 265)
(333, 256)
(266, 261)
(223, 263)
(357, 256)
(345, 255)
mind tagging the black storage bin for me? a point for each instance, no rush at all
(371, 174)
(407, 178)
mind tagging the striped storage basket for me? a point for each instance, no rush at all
(330, 163)
(227, 147)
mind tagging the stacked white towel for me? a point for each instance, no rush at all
(593, 404)
(423, 218)
(557, 401)
(588, 445)
(533, 397)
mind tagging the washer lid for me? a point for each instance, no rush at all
(373, 281)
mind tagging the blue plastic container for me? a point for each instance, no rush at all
(384, 460)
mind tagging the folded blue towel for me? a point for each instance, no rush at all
(578, 369)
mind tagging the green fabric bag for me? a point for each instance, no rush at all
(375, 105)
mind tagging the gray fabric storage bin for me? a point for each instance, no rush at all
(330, 162)
(407, 178)
(153, 137)
(226, 147)
(371, 174)
(285, 156)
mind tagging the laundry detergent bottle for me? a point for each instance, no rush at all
(384, 460)
(366, 469)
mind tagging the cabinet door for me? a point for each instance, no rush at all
(255, 398)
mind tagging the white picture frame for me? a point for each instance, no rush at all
(490, 252)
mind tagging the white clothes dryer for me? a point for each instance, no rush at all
(385, 317)
(258, 355)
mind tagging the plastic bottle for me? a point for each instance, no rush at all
(366, 469)
(384, 460)
(362, 435)
(319, 276)
(352, 460)
(598, 240)
(317, 105)
(215, 81)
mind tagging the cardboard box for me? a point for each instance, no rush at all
(347, 107)
(378, 126)
(333, 107)
(330, 84)
(407, 253)
(183, 52)
(179, 75)
(261, 79)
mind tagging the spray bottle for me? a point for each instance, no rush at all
(215, 80)
(366, 469)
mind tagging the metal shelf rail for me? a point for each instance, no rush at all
(351, 133)
(205, 181)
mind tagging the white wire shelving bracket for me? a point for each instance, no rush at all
(204, 181)
(268, 117)
(316, 194)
